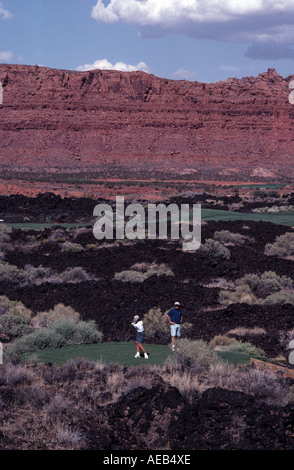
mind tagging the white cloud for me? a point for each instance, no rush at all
(225, 20)
(169, 12)
(5, 56)
(104, 64)
(184, 74)
(4, 14)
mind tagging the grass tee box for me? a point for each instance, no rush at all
(123, 353)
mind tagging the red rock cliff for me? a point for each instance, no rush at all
(115, 121)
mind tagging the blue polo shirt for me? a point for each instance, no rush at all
(175, 315)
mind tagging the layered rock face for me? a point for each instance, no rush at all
(117, 123)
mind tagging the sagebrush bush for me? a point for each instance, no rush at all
(215, 249)
(282, 297)
(13, 326)
(157, 327)
(221, 340)
(14, 307)
(76, 332)
(225, 236)
(40, 339)
(62, 332)
(267, 288)
(8, 272)
(194, 353)
(140, 272)
(70, 247)
(266, 284)
(243, 347)
(34, 275)
(44, 319)
(77, 274)
(282, 247)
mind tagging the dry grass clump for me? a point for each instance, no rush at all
(242, 331)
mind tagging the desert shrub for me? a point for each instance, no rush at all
(221, 340)
(14, 307)
(213, 248)
(57, 235)
(62, 332)
(269, 288)
(140, 272)
(68, 437)
(13, 326)
(194, 353)
(5, 232)
(44, 319)
(265, 284)
(80, 231)
(34, 275)
(76, 332)
(91, 246)
(8, 272)
(225, 236)
(242, 295)
(243, 347)
(4, 240)
(282, 247)
(70, 247)
(18, 375)
(262, 385)
(282, 297)
(40, 339)
(157, 326)
(77, 274)
(130, 276)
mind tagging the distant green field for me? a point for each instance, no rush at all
(216, 215)
(286, 218)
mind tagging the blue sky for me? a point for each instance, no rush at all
(201, 40)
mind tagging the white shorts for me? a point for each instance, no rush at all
(175, 330)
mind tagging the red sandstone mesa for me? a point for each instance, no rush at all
(113, 122)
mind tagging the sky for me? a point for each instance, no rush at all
(196, 40)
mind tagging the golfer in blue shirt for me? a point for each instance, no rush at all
(174, 316)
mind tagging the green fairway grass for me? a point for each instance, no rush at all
(122, 353)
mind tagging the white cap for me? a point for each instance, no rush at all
(177, 303)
